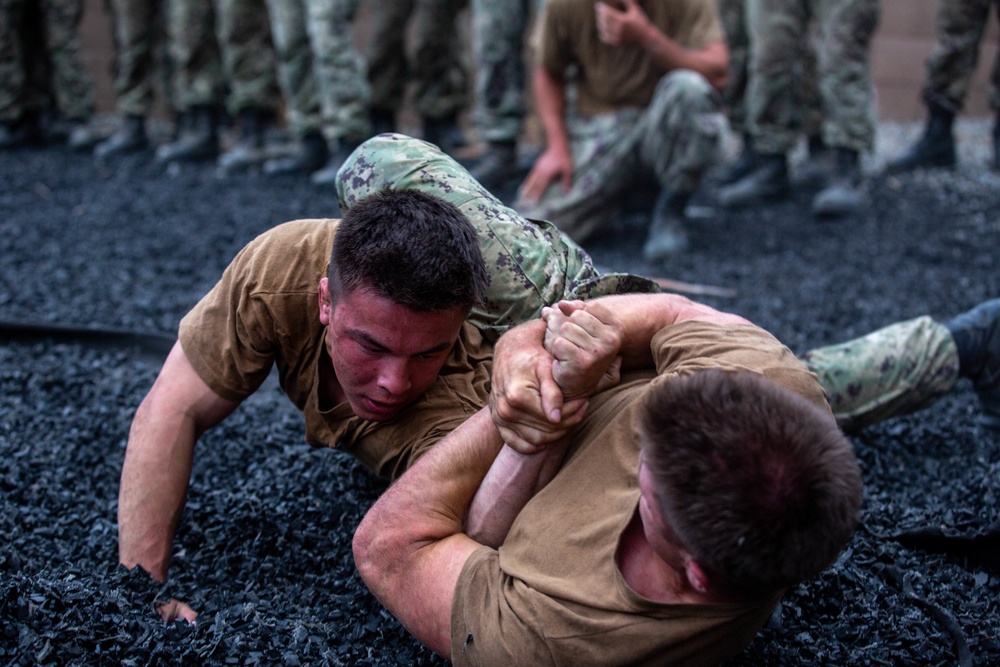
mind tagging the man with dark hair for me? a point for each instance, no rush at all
(685, 503)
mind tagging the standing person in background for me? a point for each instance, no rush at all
(45, 92)
(950, 68)
(499, 108)
(140, 54)
(779, 31)
(436, 68)
(625, 95)
(322, 78)
(222, 55)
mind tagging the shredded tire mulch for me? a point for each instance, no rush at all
(263, 550)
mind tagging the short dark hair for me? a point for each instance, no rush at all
(758, 483)
(411, 247)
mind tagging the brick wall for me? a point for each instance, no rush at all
(904, 38)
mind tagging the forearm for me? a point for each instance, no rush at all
(511, 482)
(154, 485)
(550, 102)
(712, 61)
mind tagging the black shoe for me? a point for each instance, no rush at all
(818, 169)
(936, 148)
(311, 154)
(741, 167)
(977, 337)
(328, 174)
(383, 121)
(131, 138)
(444, 132)
(667, 236)
(842, 194)
(198, 142)
(26, 131)
(767, 182)
(248, 151)
(497, 165)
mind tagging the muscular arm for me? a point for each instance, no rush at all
(556, 161)
(631, 27)
(157, 467)
(410, 548)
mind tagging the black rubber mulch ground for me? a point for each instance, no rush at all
(264, 546)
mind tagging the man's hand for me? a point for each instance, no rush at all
(174, 609)
(554, 163)
(622, 27)
(585, 339)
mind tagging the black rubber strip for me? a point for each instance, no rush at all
(149, 344)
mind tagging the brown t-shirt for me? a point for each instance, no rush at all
(265, 311)
(553, 593)
(612, 77)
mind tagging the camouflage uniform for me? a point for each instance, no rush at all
(30, 78)
(778, 34)
(952, 63)
(436, 68)
(498, 29)
(319, 69)
(673, 141)
(139, 40)
(222, 55)
(892, 371)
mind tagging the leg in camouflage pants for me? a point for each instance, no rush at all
(892, 371)
(952, 63)
(673, 141)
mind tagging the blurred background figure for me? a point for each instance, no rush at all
(950, 68)
(435, 66)
(322, 77)
(46, 95)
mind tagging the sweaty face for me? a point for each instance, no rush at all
(385, 356)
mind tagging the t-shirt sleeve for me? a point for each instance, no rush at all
(228, 335)
(551, 38)
(487, 628)
(692, 346)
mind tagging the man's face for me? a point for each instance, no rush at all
(659, 533)
(385, 356)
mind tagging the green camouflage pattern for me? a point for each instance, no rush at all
(780, 32)
(434, 67)
(895, 370)
(670, 144)
(530, 263)
(32, 79)
(140, 54)
(952, 64)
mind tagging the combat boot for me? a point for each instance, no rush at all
(310, 154)
(341, 150)
(936, 148)
(741, 167)
(977, 337)
(842, 195)
(818, 168)
(767, 182)
(131, 138)
(198, 141)
(248, 150)
(444, 132)
(26, 131)
(667, 236)
(497, 165)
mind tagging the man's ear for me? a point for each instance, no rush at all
(697, 576)
(325, 305)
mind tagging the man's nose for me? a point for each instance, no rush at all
(394, 376)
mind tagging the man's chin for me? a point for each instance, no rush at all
(376, 411)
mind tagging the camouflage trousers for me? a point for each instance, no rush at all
(531, 264)
(221, 54)
(436, 67)
(319, 69)
(780, 32)
(952, 63)
(670, 144)
(498, 31)
(40, 62)
(140, 54)
(892, 371)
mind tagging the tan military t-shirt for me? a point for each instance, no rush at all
(553, 593)
(265, 311)
(612, 77)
